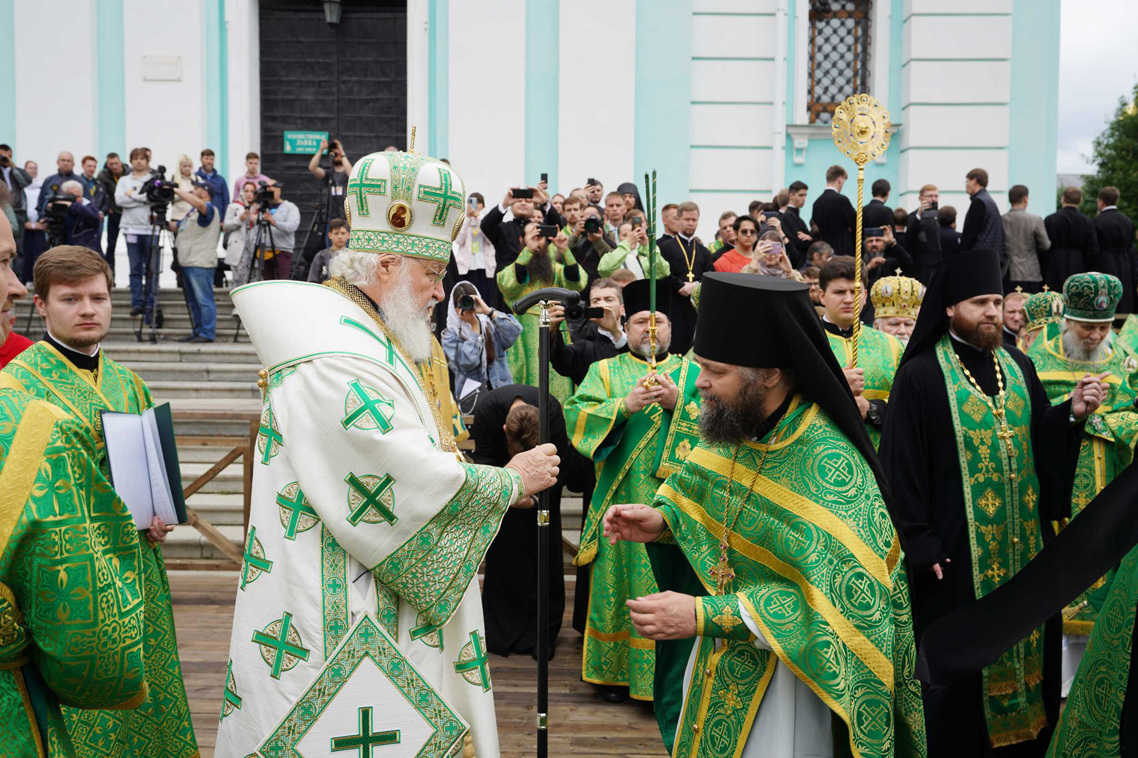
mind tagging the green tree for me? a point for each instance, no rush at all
(1115, 157)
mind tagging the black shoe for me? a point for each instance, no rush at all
(614, 694)
(136, 311)
(199, 338)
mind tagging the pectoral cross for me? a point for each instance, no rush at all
(722, 573)
(1005, 433)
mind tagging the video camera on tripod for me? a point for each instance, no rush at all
(159, 192)
(263, 195)
(55, 213)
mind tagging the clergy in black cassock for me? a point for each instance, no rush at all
(961, 404)
(689, 260)
(509, 591)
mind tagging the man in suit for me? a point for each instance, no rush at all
(1074, 243)
(876, 212)
(834, 214)
(922, 234)
(1116, 253)
(1025, 242)
(983, 226)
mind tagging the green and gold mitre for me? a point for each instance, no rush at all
(1091, 296)
(404, 204)
(1043, 308)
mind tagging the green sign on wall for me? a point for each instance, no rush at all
(303, 143)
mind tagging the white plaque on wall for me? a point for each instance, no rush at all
(162, 68)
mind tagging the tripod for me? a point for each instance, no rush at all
(151, 311)
(257, 266)
(307, 250)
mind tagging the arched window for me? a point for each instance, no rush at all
(839, 54)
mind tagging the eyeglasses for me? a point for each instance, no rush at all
(436, 275)
(748, 232)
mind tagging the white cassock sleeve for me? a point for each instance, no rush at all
(369, 465)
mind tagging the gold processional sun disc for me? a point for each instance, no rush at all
(861, 128)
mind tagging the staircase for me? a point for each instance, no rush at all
(217, 379)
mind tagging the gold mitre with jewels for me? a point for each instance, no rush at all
(896, 297)
(404, 203)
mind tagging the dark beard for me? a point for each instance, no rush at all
(978, 339)
(540, 268)
(732, 422)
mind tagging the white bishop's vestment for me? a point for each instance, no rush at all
(358, 622)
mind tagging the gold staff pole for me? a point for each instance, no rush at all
(861, 132)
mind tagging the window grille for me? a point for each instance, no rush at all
(839, 54)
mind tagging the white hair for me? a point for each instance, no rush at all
(355, 266)
(71, 184)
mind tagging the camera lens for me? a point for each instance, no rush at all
(465, 303)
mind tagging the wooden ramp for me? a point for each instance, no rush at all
(581, 724)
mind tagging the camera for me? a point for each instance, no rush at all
(522, 193)
(593, 225)
(158, 191)
(875, 231)
(56, 210)
(264, 194)
(466, 302)
(577, 315)
(549, 231)
(4, 160)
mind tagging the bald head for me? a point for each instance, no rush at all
(65, 162)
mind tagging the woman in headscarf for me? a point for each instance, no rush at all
(476, 339)
(770, 258)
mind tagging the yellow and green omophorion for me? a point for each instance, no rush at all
(161, 724)
(1001, 504)
(879, 354)
(633, 454)
(819, 571)
(1107, 446)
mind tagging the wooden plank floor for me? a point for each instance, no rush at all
(581, 724)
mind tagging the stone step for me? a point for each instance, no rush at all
(204, 454)
(168, 389)
(159, 371)
(218, 508)
(230, 481)
(132, 352)
(165, 336)
(187, 543)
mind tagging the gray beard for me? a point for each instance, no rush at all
(732, 422)
(643, 349)
(407, 323)
(1075, 350)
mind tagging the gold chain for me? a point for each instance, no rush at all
(690, 261)
(723, 572)
(999, 407)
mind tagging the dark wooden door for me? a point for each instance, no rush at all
(350, 81)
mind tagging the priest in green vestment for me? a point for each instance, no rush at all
(1084, 347)
(637, 433)
(802, 624)
(71, 594)
(69, 369)
(878, 354)
(535, 268)
(979, 462)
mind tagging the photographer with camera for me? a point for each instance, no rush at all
(476, 340)
(474, 253)
(884, 255)
(78, 216)
(589, 242)
(237, 225)
(336, 180)
(16, 179)
(632, 252)
(283, 218)
(922, 235)
(596, 331)
(136, 226)
(506, 235)
(53, 185)
(198, 235)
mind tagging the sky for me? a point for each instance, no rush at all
(1095, 69)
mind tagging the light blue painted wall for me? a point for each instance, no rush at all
(543, 71)
(216, 42)
(663, 97)
(1033, 112)
(822, 153)
(8, 81)
(110, 79)
(438, 78)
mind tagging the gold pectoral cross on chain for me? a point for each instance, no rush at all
(722, 573)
